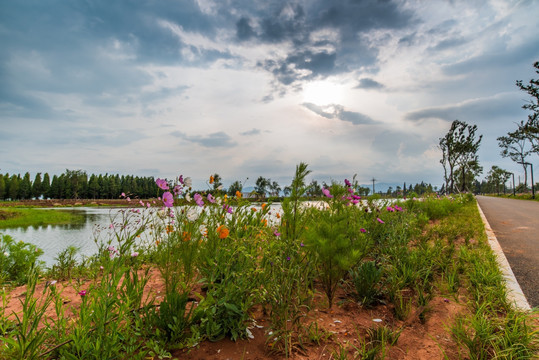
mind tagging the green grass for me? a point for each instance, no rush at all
(10, 217)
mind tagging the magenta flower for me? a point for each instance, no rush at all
(390, 209)
(380, 220)
(302, 244)
(82, 293)
(211, 198)
(276, 233)
(168, 199)
(227, 208)
(134, 254)
(180, 179)
(198, 199)
(351, 190)
(363, 230)
(356, 197)
(398, 208)
(162, 183)
(347, 183)
(177, 190)
(355, 202)
(327, 193)
(123, 194)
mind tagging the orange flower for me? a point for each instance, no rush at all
(169, 229)
(278, 215)
(238, 194)
(186, 236)
(211, 179)
(253, 209)
(265, 222)
(222, 231)
(264, 206)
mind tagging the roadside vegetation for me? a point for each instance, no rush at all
(225, 264)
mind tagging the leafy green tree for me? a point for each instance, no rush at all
(93, 187)
(25, 187)
(515, 146)
(459, 150)
(530, 128)
(275, 189)
(13, 191)
(54, 192)
(261, 186)
(314, 189)
(37, 186)
(496, 177)
(235, 186)
(46, 186)
(2, 187)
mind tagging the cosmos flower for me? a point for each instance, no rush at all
(363, 230)
(180, 179)
(238, 194)
(222, 231)
(327, 193)
(211, 198)
(134, 254)
(212, 180)
(177, 190)
(347, 183)
(380, 220)
(276, 233)
(198, 199)
(162, 183)
(82, 293)
(168, 199)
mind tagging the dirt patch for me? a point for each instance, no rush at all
(345, 326)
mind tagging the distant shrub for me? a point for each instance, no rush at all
(16, 259)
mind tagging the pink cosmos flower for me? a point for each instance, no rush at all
(326, 193)
(177, 190)
(398, 208)
(380, 220)
(162, 183)
(198, 199)
(356, 197)
(390, 209)
(180, 179)
(276, 233)
(227, 208)
(82, 293)
(211, 198)
(347, 183)
(363, 230)
(168, 199)
(123, 194)
(134, 254)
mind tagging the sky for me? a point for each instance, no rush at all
(249, 88)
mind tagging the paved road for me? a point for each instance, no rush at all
(516, 225)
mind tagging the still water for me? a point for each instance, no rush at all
(52, 239)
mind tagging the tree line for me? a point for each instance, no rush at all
(461, 143)
(75, 184)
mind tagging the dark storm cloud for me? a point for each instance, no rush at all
(90, 48)
(293, 23)
(335, 111)
(369, 84)
(480, 110)
(217, 139)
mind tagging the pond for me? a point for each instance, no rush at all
(52, 239)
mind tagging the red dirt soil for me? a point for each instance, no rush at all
(346, 324)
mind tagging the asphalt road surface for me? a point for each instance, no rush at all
(516, 225)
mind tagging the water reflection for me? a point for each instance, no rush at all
(54, 238)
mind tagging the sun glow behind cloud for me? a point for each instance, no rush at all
(323, 93)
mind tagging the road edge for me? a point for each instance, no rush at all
(514, 292)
